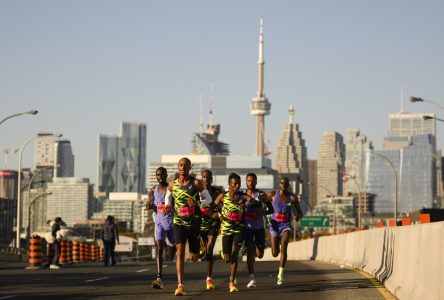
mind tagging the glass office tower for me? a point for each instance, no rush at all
(122, 160)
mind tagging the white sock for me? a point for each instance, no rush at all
(208, 278)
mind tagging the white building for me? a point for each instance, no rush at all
(71, 199)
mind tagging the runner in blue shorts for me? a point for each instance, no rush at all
(163, 221)
(254, 239)
(280, 223)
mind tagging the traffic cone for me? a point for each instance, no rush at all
(35, 253)
(75, 252)
(63, 253)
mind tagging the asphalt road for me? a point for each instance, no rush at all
(304, 280)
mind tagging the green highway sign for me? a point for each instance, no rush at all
(315, 221)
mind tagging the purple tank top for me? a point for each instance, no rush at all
(159, 202)
(253, 215)
(282, 209)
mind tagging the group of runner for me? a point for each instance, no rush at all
(188, 209)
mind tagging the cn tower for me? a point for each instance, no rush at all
(260, 107)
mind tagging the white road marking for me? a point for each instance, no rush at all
(8, 297)
(143, 270)
(97, 279)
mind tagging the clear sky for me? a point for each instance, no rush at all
(88, 65)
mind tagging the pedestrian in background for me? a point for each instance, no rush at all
(110, 235)
(54, 242)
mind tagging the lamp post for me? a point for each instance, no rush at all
(428, 117)
(395, 204)
(359, 194)
(419, 99)
(332, 196)
(19, 188)
(31, 112)
(28, 231)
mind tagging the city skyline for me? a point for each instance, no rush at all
(89, 66)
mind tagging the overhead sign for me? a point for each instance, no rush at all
(315, 221)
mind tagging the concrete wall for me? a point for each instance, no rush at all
(408, 260)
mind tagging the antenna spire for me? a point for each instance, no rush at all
(210, 110)
(201, 120)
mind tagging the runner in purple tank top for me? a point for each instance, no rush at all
(280, 223)
(254, 239)
(163, 221)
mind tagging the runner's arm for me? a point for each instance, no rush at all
(206, 197)
(268, 203)
(297, 206)
(169, 198)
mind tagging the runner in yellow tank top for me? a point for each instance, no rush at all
(184, 195)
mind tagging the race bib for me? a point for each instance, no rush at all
(161, 207)
(251, 216)
(205, 211)
(235, 217)
(281, 217)
(187, 211)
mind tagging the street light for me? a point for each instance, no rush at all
(28, 232)
(332, 196)
(19, 189)
(418, 99)
(395, 213)
(31, 112)
(359, 194)
(428, 117)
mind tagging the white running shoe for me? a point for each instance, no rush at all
(280, 281)
(251, 284)
(54, 267)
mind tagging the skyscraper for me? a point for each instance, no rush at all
(330, 164)
(260, 107)
(291, 155)
(356, 146)
(122, 160)
(64, 159)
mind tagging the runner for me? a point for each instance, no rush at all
(163, 221)
(233, 215)
(183, 196)
(254, 225)
(210, 225)
(280, 225)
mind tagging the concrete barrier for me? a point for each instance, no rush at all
(408, 260)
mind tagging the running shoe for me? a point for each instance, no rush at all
(233, 288)
(280, 281)
(180, 291)
(157, 284)
(55, 267)
(210, 284)
(251, 284)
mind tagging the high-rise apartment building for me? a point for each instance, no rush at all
(44, 150)
(291, 157)
(312, 182)
(64, 159)
(330, 163)
(356, 146)
(122, 160)
(70, 198)
(8, 205)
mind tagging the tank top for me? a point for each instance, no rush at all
(282, 209)
(184, 213)
(233, 215)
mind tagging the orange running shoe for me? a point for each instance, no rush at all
(210, 284)
(233, 288)
(180, 291)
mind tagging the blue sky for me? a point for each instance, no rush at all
(88, 65)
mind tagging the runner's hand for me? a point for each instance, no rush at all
(168, 208)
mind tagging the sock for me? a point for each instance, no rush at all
(180, 285)
(209, 278)
(251, 276)
(281, 272)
